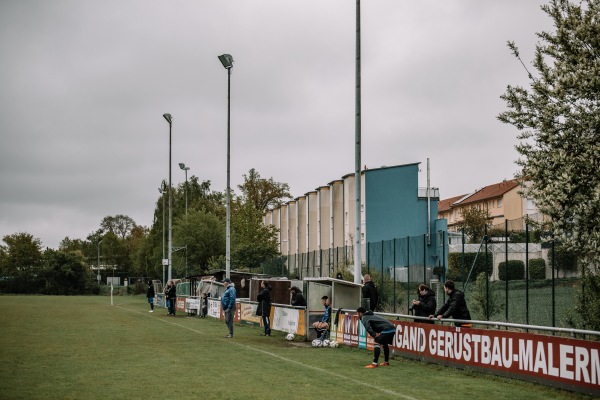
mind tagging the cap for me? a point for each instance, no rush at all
(227, 280)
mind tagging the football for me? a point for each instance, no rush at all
(326, 343)
(334, 344)
(317, 343)
(290, 336)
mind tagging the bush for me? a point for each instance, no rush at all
(516, 270)
(455, 265)
(537, 268)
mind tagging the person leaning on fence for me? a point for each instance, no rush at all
(150, 295)
(383, 332)
(455, 306)
(264, 307)
(228, 304)
(425, 305)
(322, 326)
(298, 299)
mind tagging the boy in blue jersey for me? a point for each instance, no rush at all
(322, 326)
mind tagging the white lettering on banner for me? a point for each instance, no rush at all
(595, 367)
(566, 361)
(525, 355)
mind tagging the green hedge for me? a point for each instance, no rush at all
(455, 265)
(537, 268)
(516, 270)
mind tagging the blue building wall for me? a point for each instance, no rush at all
(393, 210)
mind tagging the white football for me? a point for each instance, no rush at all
(317, 343)
(290, 336)
(334, 344)
(326, 343)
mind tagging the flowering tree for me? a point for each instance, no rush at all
(559, 122)
(558, 118)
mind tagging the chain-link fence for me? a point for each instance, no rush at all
(516, 273)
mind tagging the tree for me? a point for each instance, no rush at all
(559, 124)
(120, 225)
(66, 273)
(474, 223)
(21, 261)
(204, 235)
(252, 243)
(263, 193)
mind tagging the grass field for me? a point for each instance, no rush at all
(84, 348)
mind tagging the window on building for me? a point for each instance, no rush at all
(530, 204)
(499, 203)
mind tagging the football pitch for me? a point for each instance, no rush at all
(81, 347)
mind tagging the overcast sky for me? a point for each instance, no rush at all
(84, 85)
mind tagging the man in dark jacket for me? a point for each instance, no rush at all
(264, 307)
(425, 305)
(369, 291)
(171, 295)
(150, 295)
(298, 299)
(383, 332)
(455, 307)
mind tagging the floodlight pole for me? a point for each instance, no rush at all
(357, 162)
(170, 121)
(227, 61)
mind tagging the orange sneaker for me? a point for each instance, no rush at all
(385, 364)
(372, 365)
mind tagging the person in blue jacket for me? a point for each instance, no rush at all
(228, 305)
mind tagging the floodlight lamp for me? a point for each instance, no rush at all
(181, 165)
(226, 60)
(167, 117)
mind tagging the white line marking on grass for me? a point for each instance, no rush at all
(321, 370)
(339, 376)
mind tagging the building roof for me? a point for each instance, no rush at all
(491, 192)
(445, 205)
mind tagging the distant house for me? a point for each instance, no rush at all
(503, 201)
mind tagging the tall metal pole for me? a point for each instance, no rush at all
(170, 121)
(100, 241)
(228, 223)
(186, 185)
(357, 149)
(162, 193)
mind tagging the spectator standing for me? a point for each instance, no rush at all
(264, 307)
(383, 332)
(455, 306)
(426, 303)
(369, 291)
(171, 296)
(298, 299)
(150, 295)
(228, 304)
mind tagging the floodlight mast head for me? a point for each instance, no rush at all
(182, 165)
(168, 118)
(226, 60)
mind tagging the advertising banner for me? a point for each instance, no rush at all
(214, 308)
(180, 304)
(572, 364)
(287, 320)
(192, 305)
(247, 314)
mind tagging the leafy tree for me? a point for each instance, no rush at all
(557, 117)
(120, 225)
(262, 193)
(21, 261)
(204, 235)
(66, 273)
(251, 242)
(485, 302)
(474, 223)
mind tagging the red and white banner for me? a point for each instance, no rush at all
(567, 363)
